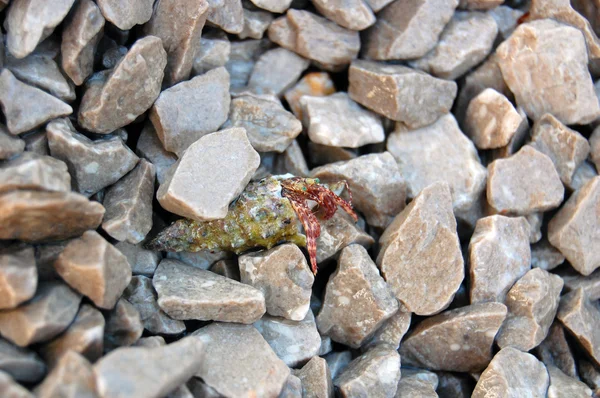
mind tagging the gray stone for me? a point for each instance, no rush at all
(479, 4)
(142, 261)
(212, 53)
(150, 147)
(590, 375)
(34, 172)
(227, 15)
(9, 145)
(323, 154)
(123, 326)
(113, 56)
(314, 84)
(594, 142)
(20, 363)
(454, 385)
(338, 361)
(202, 259)
(338, 232)
(353, 15)
(562, 385)
(227, 268)
(545, 256)
(292, 388)
(590, 284)
(125, 15)
(292, 161)
(581, 317)
(392, 331)
(276, 6)
(315, 379)
(37, 142)
(506, 17)
(535, 221)
(12, 389)
(555, 351)
(276, 70)
(241, 59)
(72, 377)
(417, 383)
(42, 72)
(255, 24)
(18, 276)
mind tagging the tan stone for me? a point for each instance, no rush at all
(562, 385)
(420, 254)
(276, 70)
(227, 15)
(594, 142)
(314, 84)
(315, 379)
(38, 216)
(545, 256)
(9, 146)
(123, 325)
(37, 142)
(590, 375)
(392, 331)
(227, 268)
(20, 363)
(584, 173)
(479, 4)
(417, 383)
(535, 221)
(353, 15)
(555, 351)
(590, 284)
(337, 233)
(115, 98)
(125, 15)
(276, 6)
(34, 172)
(256, 24)
(18, 276)
(72, 377)
(510, 373)
(12, 389)
(581, 317)
(292, 161)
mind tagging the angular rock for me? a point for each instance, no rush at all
(594, 142)
(562, 385)
(555, 351)
(203, 259)
(323, 154)
(34, 172)
(211, 173)
(292, 161)
(315, 378)
(417, 383)
(9, 145)
(506, 17)
(71, 377)
(338, 361)
(524, 183)
(26, 107)
(18, 276)
(38, 216)
(565, 147)
(20, 363)
(453, 385)
(479, 4)
(276, 6)
(315, 38)
(357, 300)
(112, 56)
(115, 98)
(255, 24)
(93, 165)
(149, 372)
(37, 142)
(565, 88)
(314, 84)
(407, 30)
(142, 261)
(125, 15)
(283, 277)
(392, 331)
(213, 52)
(590, 375)
(123, 325)
(353, 15)
(45, 316)
(590, 284)
(12, 389)
(80, 37)
(499, 254)
(420, 254)
(241, 58)
(152, 341)
(465, 42)
(238, 362)
(227, 268)
(545, 256)
(337, 233)
(95, 268)
(292, 388)
(150, 147)
(405, 95)
(574, 229)
(581, 317)
(276, 70)
(29, 22)
(227, 15)
(375, 373)
(510, 373)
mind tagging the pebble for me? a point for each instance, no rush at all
(227, 15)
(20, 363)
(241, 60)
(18, 276)
(34, 172)
(126, 15)
(191, 109)
(42, 318)
(115, 98)
(581, 317)
(292, 161)
(276, 71)
(417, 383)
(545, 256)
(238, 362)
(590, 284)
(213, 52)
(353, 15)
(464, 43)
(555, 351)
(564, 88)
(373, 374)
(562, 385)
(123, 327)
(524, 183)
(142, 261)
(284, 278)
(337, 361)
(357, 300)
(179, 26)
(499, 254)
(95, 268)
(315, 38)
(72, 377)
(337, 233)
(510, 374)
(406, 95)
(315, 379)
(128, 204)
(29, 22)
(392, 331)
(584, 173)
(420, 255)
(142, 296)
(408, 30)
(40, 216)
(12, 389)
(9, 145)
(142, 372)
(40, 106)
(314, 84)
(276, 6)
(574, 229)
(150, 147)
(186, 292)
(256, 24)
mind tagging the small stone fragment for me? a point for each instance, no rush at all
(202, 259)
(575, 231)
(590, 375)
(255, 24)
(283, 277)
(72, 377)
(458, 340)
(238, 362)
(43, 317)
(524, 183)
(18, 276)
(564, 88)
(420, 254)
(407, 30)
(555, 351)
(37, 142)
(353, 15)
(123, 325)
(594, 142)
(392, 331)
(276, 70)
(9, 145)
(276, 6)
(581, 317)
(95, 268)
(12, 389)
(292, 388)
(314, 84)
(479, 4)
(545, 256)
(142, 372)
(510, 374)
(499, 254)
(186, 292)
(213, 52)
(150, 147)
(338, 361)
(465, 42)
(211, 173)
(323, 154)
(292, 161)
(227, 268)
(20, 363)
(37, 216)
(241, 59)
(403, 94)
(315, 379)
(562, 385)
(115, 98)
(125, 15)
(373, 374)
(34, 172)
(227, 15)
(142, 261)
(590, 284)
(417, 383)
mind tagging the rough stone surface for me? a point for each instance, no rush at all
(562, 385)
(117, 97)
(314, 84)
(420, 254)
(590, 284)
(565, 88)
(292, 388)
(227, 15)
(18, 276)
(545, 256)
(125, 15)
(400, 93)
(128, 204)
(150, 147)
(276, 6)
(417, 383)
(142, 372)
(9, 145)
(392, 331)
(45, 316)
(35, 172)
(276, 70)
(123, 325)
(210, 174)
(202, 259)
(590, 375)
(499, 254)
(71, 377)
(510, 374)
(594, 142)
(283, 277)
(465, 42)
(12, 389)
(191, 109)
(338, 361)
(38, 216)
(357, 300)
(93, 165)
(555, 351)
(241, 60)
(255, 24)
(524, 183)
(213, 52)
(228, 269)
(186, 292)
(575, 231)
(142, 261)
(315, 378)
(20, 363)
(353, 15)
(292, 161)
(238, 362)
(37, 142)
(374, 374)
(95, 268)
(581, 317)
(458, 340)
